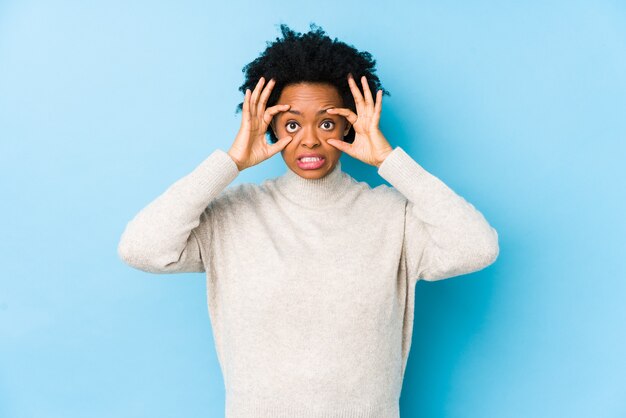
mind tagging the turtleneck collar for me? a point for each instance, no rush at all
(314, 193)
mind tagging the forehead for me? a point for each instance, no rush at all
(312, 95)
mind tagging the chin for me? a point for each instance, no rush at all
(315, 174)
(311, 176)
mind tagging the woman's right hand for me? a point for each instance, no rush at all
(250, 147)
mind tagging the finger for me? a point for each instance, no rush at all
(271, 111)
(255, 96)
(356, 93)
(265, 96)
(369, 100)
(378, 107)
(347, 113)
(246, 107)
(341, 145)
(279, 145)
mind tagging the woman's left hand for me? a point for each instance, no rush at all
(369, 145)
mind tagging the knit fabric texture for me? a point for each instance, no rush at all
(311, 282)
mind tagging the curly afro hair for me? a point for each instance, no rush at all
(310, 57)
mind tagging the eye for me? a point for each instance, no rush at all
(328, 125)
(291, 126)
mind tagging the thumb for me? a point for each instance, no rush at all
(340, 145)
(279, 145)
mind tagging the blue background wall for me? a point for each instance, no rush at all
(520, 107)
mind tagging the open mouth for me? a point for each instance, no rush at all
(311, 163)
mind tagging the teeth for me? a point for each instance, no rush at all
(309, 159)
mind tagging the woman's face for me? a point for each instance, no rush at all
(311, 126)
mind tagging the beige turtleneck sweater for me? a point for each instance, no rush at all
(310, 283)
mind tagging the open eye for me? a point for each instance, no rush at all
(291, 126)
(328, 125)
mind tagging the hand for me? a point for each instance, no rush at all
(250, 147)
(369, 145)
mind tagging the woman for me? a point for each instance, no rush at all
(311, 275)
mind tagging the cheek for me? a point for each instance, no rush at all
(341, 125)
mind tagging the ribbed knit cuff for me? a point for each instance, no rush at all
(216, 172)
(403, 172)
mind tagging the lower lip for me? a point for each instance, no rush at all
(311, 165)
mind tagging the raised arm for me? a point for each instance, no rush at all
(161, 238)
(445, 236)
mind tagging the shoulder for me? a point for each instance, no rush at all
(388, 194)
(237, 196)
(383, 197)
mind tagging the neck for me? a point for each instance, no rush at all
(314, 193)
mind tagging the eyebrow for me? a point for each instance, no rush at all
(319, 113)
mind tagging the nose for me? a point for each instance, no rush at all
(310, 138)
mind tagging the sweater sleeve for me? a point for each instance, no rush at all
(445, 236)
(162, 238)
